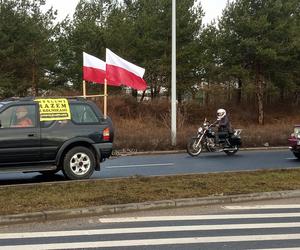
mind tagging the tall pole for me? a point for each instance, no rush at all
(173, 85)
(105, 99)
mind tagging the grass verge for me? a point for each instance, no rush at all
(23, 199)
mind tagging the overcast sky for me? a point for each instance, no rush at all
(212, 8)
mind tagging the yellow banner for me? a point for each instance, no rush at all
(54, 109)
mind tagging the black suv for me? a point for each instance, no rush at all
(76, 145)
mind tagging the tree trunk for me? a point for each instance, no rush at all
(296, 98)
(179, 97)
(228, 89)
(239, 91)
(134, 93)
(207, 96)
(143, 96)
(151, 92)
(34, 87)
(155, 91)
(260, 96)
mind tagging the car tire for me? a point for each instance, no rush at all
(79, 163)
(297, 154)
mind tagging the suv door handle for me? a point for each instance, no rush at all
(31, 135)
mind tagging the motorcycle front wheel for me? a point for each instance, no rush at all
(192, 147)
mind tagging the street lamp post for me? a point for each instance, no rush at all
(173, 84)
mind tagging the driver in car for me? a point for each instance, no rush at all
(22, 117)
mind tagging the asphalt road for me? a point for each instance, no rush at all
(259, 225)
(174, 164)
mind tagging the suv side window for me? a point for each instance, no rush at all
(46, 124)
(18, 116)
(83, 113)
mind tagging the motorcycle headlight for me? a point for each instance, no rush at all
(200, 130)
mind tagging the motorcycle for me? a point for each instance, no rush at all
(207, 138)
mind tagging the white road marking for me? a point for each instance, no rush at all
(291, 158)
(288, 248)
(284, 206)
(147, 230)
(141, 165)
(198, 217)
(152, 242)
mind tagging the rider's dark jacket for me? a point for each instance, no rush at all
(224, 125)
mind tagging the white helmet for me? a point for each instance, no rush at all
(221, 113)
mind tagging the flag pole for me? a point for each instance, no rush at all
(105, 99)
(84, 88)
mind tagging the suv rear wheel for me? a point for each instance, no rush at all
(79, 163)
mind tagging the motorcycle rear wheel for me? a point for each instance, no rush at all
(231, 152)
(192, 147)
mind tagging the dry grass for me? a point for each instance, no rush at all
(36, 198)
(146, 126)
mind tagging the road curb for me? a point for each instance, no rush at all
(117, 154)
(131, 207)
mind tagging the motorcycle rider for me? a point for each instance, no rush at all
(223, 124)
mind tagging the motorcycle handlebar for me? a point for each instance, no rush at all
(213, 124)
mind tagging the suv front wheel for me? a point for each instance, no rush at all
(79, 163)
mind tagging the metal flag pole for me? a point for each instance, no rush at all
(105, 99)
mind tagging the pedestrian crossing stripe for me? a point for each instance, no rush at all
(147, 230)
(198, 217)
(153, 242)
(260, 207)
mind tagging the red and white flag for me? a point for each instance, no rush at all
(120, 71)
(93, 69)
